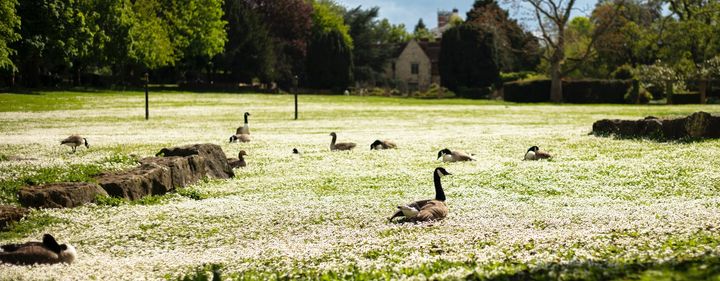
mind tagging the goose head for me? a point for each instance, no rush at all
(233, 138)
(295, 151)
(241, 154)
(440, 171)
(375, 144)
(86, 143)
(247, 114)
(443, 152)
(333, 134)
(533, 148)
(66, 252)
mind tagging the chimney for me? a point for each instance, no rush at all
(443, 18)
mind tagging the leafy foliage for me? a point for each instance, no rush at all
(468, 58)
(8, 32)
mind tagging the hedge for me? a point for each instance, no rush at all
(686, 98)
(574, 91)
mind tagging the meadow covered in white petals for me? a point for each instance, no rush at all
(601, 206)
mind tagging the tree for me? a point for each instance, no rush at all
(329, 56)
(8, 33)
(466, 58)
(249, 53)
(517, 49)
(421, 32)
(54, 37)
(289, 23)
(552, 17)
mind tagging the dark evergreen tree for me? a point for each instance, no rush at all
(329, 61)
(249, 52)
(467, 60)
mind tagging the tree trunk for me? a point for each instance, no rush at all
(556, 94)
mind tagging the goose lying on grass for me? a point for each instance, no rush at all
(426, 210)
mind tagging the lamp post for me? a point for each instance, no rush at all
(147, 100)
(295, 84)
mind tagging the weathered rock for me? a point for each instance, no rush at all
(697, 125)
(216, 164)
(59, 195)
(183, 170)
(148, 179)
(9, 214)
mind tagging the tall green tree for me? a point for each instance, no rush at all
(249, 52)
(517, 49)
(54, 37)
(8, 32)
(467, 58)
(329, 56)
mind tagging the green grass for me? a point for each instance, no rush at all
(602, 209)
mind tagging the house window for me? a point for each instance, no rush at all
(414, 68)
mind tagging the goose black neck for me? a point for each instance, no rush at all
(333, 139)
(439, 193)
(246, 118)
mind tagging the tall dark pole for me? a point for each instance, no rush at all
(295, 91)
(147, 108)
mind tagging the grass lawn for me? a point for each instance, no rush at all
(603, 208)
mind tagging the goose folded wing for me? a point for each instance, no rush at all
(29, 255)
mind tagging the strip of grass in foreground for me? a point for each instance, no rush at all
(702, 268)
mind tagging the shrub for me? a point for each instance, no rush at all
(467, 59)
(574, 91)
(623, 72)
(686, 98)
(631, 95)
(527, 91)
(515, 76)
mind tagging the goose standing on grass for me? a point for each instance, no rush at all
(426, 210)
(240, 137)
(46, 252)
(534, 153)
(240, 163)
(74, 141)
(341, 145)
(245, 129)
(382, 144)
(454, 156)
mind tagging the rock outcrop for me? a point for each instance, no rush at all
(177, 167)
(697, 125)
(10, 214)
(59, 195)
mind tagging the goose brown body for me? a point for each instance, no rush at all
(382, 144)
(46, 252)
(534, 153)
(74, 141)
(427, 210)
(240, 162)
(240, 137)
(341, 145)
(454, 155)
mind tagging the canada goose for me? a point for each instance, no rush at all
(426, 210)
(240, 162)
(342, 145)
(245, 129)
(46, 252)
(240, 137)
(534, 153)
(454, 156)
(74, 141)
(382, 144)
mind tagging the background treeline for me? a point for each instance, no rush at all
(101, 43)
(50, 43)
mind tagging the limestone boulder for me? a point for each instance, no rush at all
(10, 214)
(148, 179)
(216, 164)
(59, 195)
